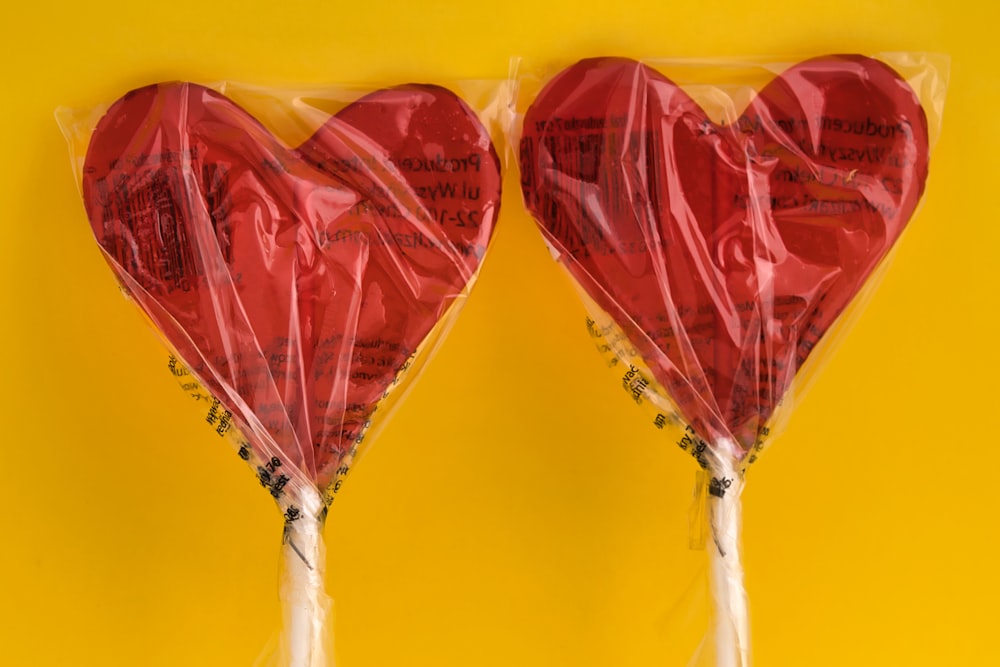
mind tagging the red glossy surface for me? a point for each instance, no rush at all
(725, 252)
(296, 283)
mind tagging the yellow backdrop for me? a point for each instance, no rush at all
(517, 510)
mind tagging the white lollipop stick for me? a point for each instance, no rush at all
(305, 603)
(732, 627)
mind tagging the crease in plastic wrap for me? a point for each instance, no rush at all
(299, 263)
(722, 221)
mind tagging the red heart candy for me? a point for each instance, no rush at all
(724, 251)
(296, 283)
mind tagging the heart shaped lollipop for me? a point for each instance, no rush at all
(296, 283)
(724, 251)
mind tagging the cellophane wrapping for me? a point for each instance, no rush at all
(723, 222)
(300, 252)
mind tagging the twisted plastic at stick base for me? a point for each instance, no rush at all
(732, 627)
(305, 604)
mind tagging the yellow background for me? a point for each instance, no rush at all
(517, 510)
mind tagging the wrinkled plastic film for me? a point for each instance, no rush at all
(302, 390)
(299, 271)
(692, 228)
(722, 221)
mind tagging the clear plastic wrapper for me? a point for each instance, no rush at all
(720, 220)
(299, 262)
